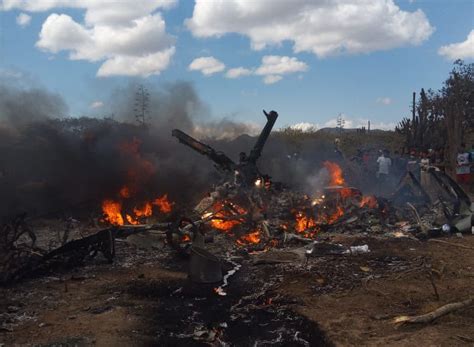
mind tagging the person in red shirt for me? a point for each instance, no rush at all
(463, 168)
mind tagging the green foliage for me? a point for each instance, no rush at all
(441, 116)
(349, 143)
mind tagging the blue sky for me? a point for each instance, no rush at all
(366, 66)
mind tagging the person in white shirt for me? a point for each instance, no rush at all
(384, 163)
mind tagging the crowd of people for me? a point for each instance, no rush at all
(387, 169)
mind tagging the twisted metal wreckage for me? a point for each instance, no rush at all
(248, 206)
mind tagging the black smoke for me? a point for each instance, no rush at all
(52, 163)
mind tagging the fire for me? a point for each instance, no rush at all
(335, 173)
(113, 214)
(112, 211)
(125, 207)
(332, 218)
(145, 211)
(125, 192)
(228, 215)
(304, 222)
(346, 193)
(253, 237)
(163, 204)
(368, 201)
(221, 224)
(318, 200)
(130, 220)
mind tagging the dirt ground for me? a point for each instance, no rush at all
(363, 315)
(351, 298)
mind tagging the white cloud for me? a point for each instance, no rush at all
(23, 20)
(97, 11)
(270, 79)
(332, 123)
(207, 65)
(96, 104)
(322, 27)
(129, 37)
(238, 72)
(10, 74)
(352, 123)
(384, 100)
(305, 126)
(460, 50)
(61, 32)
(377, 125)
(274, 66)
(278, 65)
(145, 65)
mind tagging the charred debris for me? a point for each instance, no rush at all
(254, 212)
(246, 220)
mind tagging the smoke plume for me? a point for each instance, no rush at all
(51, 163)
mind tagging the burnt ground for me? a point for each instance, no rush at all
(145, 299)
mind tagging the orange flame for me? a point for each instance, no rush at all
(130, 220)
(304, 222)
(224, 225)
(139, 172)
(368, 201)
(163, 204)
(112, 211)
(223, 219)
(346, 193)
(331, 219)
(335, 173)
(145, 211)
(253, 237)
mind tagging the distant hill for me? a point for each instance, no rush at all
(347, 131)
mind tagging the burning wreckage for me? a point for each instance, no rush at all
(249, 219)
(248, 206)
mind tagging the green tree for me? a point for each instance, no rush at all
(457, 106)
(443, 118)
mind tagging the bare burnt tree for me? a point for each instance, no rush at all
(142, 103)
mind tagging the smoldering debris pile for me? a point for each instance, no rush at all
(245, 207)
(124, 189)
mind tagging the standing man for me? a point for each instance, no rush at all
(424, 174)
(384, 163)
(413, 165)
(471, 157)
(463, 168)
